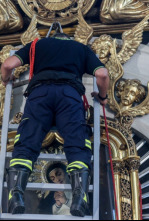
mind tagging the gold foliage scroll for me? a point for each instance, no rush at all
(10, 18)
(49, 11)
(31, 33)
(119, 11)
(84, 32)
(107, 49)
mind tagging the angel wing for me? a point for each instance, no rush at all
(115, 70)
(84, 32)
(140, 109)
(31, 32)
(131, 40)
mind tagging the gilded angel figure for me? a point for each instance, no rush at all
(107, 49)
(114, 57)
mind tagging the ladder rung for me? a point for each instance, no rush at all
(50, 187)
(13, 126)
(8, 216)
(46, 157)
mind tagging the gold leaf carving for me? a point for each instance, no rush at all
(31, 32)
(84, 32)
(56, 5)
(107, 49)
(131, 40)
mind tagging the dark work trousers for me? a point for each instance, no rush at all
(62, 105)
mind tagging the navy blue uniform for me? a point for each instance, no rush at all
(56, 101)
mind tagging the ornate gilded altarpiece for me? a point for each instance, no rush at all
(127, 98)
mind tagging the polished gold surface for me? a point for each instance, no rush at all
(106, 47)
(49, 11)
(99, 29)
(131, 92)
(131, 40)
(118, 193)
(118, 11)
(2, 99)
(123, 102)
(10, 18)
(31, 33)
(126, 165)
(84, 32)
(134, 164)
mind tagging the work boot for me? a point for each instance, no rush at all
(80, 180)
(17, 182)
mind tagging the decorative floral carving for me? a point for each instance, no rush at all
(49, 11)
(133, 163)
(126, 211)
(126, 189)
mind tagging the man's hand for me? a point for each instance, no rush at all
(102, 102)
(7, 68)
(5, 82)
(60, 198)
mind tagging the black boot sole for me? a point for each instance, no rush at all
(77, 211)
(18, 210)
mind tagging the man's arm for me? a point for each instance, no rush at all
(7, 67)
(102, 79)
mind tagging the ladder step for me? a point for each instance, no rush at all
(13, 126)
(47, 157)
(7, 216)
(50, 187)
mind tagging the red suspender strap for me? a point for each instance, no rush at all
(86, 105)
(32, 58)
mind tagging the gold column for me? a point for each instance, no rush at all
(134, 164)
(116, 167)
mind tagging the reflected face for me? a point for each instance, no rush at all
(57, 176)
(129, 95)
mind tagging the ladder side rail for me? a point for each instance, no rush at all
(4, 134)
(96, 169)
(7, 216)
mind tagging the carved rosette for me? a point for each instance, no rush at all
(126, 211)
(116, 166)
(49, 11)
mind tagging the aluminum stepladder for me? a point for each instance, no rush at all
(48, 157)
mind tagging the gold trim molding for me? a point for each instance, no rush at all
(49, 11)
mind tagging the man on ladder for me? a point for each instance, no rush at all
(54, 97)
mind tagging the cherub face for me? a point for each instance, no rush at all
(129, 95)
(57, 176)
(103, 50)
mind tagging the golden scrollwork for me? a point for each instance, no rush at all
(2, 99)
(133, 163)
(84, 32)
(10, 18)
(125, 169)
(118, 11)
(126, 189)
(106, 47)
(49, 11)
(31, 33)
(126, 211)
